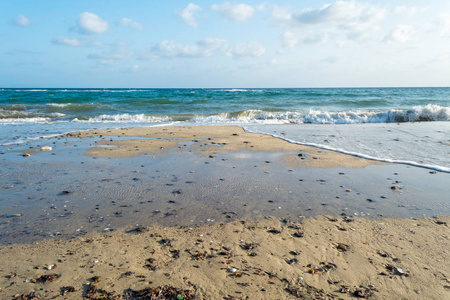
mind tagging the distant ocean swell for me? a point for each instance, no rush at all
(93, 113)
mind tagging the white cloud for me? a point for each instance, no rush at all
(280, 14)
(21, 21)
(441, 25)
(352, 19)
(203, 48)
(348, 14)
(188, 14)
(249, 49)
(66, 41)
(261, 7)
(129, 22)
(234, 12)
(89, 23)
(291, 39)
(409, 10)
(401, 34)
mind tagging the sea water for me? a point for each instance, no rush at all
(405, 125)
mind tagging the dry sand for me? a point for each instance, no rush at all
(317, 258)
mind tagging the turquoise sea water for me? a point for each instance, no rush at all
(359, 121)
(340, 105)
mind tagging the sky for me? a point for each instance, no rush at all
(213, 44)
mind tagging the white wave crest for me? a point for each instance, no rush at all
(24, 120)
(414, 114)
(140, 118)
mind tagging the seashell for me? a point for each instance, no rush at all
(400, 271)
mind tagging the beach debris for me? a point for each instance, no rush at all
(29, 296)
(236, 274)
(67, 289)
(323, 269)
(400, 271)
(160, 292)
(14, 216)
(26, 155)
(175, 253)
(394, 271)
(362, 293)
(92, 291)
(232, 270)
(342, 247)
(45, 278)
(292, 261)
(50, 267)
(295, 226)
(150, 265)
(249, 246)
(383, 254)
(138, 230)
(347, 219)
(46, 148)
(303, 290)
(299, 234)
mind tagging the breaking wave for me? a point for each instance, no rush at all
(129, 118)
(414, 114)
(427, 113)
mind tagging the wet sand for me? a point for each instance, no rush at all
(218, 202)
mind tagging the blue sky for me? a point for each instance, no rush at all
(142, 43)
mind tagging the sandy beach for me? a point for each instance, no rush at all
(214, 212)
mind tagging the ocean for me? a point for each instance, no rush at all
(403, 125)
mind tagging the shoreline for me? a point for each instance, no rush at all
(178, 206)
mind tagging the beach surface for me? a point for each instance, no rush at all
(218, 213)
(318, 258)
